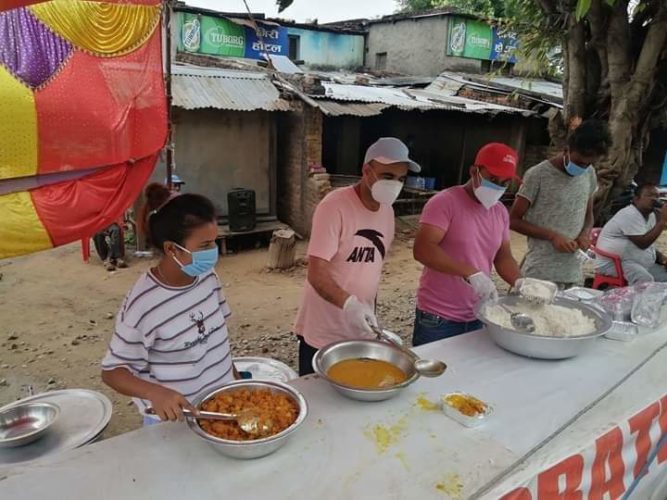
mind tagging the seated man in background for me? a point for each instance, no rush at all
(631, 234)
(110, 247)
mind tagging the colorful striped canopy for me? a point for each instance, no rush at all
(82, 116)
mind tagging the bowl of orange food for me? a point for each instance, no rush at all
(280, 405)
(365, 370)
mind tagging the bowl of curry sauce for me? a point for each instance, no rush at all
(365, 370)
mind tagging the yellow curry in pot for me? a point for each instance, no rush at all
(365, 373)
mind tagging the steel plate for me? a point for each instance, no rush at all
(84, 414)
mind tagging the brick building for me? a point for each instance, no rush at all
(299, 154)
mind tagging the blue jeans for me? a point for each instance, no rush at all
(429, 328)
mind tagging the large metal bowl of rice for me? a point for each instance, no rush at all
(563, 330)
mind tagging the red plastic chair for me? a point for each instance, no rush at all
(85, 242)
(600, 280)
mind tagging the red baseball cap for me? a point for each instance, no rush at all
(499, 159)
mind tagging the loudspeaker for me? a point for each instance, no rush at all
(242, 211)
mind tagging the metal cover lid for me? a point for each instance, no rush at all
(265, 369)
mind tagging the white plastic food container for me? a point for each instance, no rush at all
(582, 294)
(537, 291)
(624, 331)
(451, 409)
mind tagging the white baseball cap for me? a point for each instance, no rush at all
(388, 150)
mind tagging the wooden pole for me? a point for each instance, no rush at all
(259, 35)
(168, 15)
(463, 155)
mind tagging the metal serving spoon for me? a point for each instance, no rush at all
(425, 367)
(520, 321)
(248, 420)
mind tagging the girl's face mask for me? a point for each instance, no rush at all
(202, 261)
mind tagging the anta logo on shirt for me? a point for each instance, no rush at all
(367, 253)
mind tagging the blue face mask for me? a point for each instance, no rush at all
(202, 261)
(573, 169)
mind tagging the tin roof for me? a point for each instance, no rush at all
(199, 88)
(538, 90)
(283, 64)
(362, 93)
(405, 99)
(333, 108)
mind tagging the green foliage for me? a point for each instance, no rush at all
(482, 8)
(583, 6)
(416, 5)
(540, 36)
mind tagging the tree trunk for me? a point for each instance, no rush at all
(611, 68)
(618, 52)
(282, 249)
(575, 88)
(599, 96)
(631, 98)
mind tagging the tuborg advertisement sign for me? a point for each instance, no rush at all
(477, 40)
(222, 37)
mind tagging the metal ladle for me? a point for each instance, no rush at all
(425, 367)
(247, 420)
(520, 321)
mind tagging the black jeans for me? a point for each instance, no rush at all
(108, 244)
(306, 354)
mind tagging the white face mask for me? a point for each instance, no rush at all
(386, 191)
(487, 192)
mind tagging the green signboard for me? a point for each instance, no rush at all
(477, 40)
(211, 35)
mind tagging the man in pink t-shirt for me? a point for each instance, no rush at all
(463, 233)
(353, 228)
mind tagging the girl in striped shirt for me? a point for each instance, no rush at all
(170, 341)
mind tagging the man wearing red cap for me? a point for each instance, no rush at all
(463, 234)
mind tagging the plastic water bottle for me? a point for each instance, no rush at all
(585, 257)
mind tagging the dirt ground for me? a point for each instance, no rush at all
(57, 313)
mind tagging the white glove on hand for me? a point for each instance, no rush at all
(358, 316)
(483, 286)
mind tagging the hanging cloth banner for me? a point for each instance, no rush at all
(81, 90)
(15, 4)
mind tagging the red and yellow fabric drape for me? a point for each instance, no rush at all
(82, 116)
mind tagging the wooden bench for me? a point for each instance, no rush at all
(262, 229)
